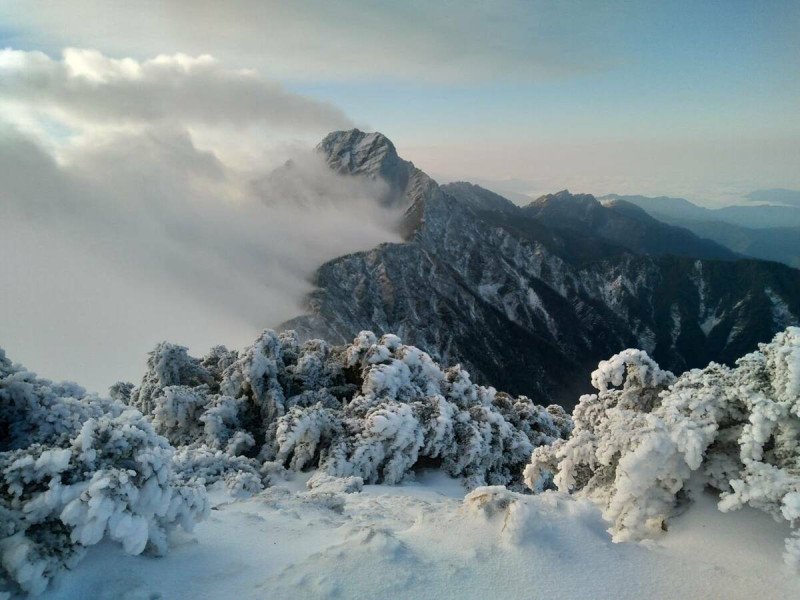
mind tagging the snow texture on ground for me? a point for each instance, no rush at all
(424, 540)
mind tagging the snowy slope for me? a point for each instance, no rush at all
(420, 540)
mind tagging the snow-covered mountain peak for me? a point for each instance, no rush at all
(373, 155)
(355, 152)
(528, 298)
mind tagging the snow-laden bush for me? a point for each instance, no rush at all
(409, 409)
(34, 410)
(222, 410)
(373, 409)
(167, 365)
(241, 475)
(75, 468)
(640, 438)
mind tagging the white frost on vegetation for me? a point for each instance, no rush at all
(638, 440)
(75, 469)
(371, 410)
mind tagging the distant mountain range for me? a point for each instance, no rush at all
(767, 232)
(776, 196)
(624, 224)
(530, 298)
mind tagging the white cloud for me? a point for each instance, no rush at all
(86, 88)
(129, 233)
(318, 40)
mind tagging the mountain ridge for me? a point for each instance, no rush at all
(623, 223)
(778, 240)
(532, 308)
(764, 216)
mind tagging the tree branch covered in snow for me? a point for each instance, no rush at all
(638, 440)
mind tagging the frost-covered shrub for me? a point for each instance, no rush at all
(303, 433)
(177, 413)
(222, 410)
(121, 392)
(409, 409)
(237, 396)
(254, 376)
(75, 468)
(372, 409)
(34, 410)
(242, 475)
(639, 439)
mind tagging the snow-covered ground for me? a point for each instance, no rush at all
(425, 540)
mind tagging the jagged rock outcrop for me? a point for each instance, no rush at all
(373, 155)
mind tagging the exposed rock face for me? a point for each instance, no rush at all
(371, 154)
(531, 305)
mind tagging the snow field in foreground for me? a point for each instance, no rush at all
(424, 540)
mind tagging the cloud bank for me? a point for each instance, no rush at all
(318, 40)
(122, 231)
(776, 196)
(87, 87)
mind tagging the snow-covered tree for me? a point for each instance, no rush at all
(167, 365)
(74, 469)
(222, 410)
(638, 440)
(34, 410)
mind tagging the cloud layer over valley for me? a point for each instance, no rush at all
(125, 220)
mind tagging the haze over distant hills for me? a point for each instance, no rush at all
(751, 216)
(776, 196)
(529, 299)
(768, 232)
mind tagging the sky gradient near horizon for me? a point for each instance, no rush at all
(700, 99)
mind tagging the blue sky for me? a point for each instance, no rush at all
(672, 69)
